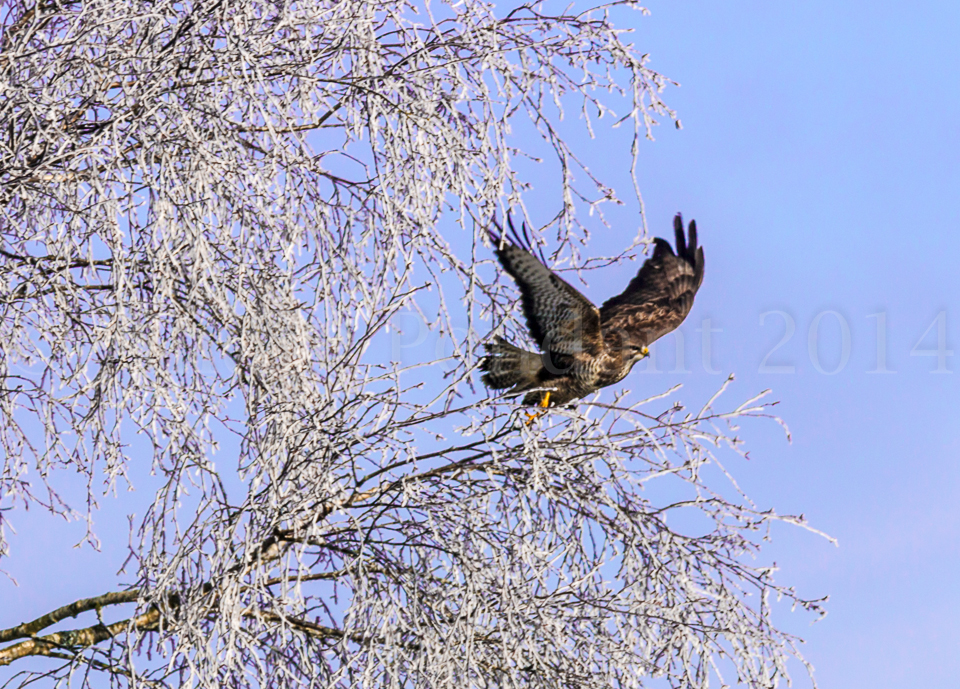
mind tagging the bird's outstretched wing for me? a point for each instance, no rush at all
(661, 295)
(560, 319)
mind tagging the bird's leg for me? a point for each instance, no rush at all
(544, 403)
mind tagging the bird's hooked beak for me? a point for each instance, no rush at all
(644, 353)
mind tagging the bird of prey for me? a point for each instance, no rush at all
(583, 348)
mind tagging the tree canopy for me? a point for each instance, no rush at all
(213, 215)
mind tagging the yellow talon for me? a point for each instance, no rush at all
(544, 403)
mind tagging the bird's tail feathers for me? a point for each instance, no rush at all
(508, 366)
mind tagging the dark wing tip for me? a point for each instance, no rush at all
(502, 239)
(686, 241)
(678, 232)
(524, 240)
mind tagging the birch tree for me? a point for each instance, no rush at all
(214, 217)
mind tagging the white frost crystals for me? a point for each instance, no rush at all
(209, 213)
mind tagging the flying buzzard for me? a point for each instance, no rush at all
(585, 348)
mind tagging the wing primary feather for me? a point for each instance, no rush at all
(526, 234)
(515, 236)
(692, 244)
(513, 231)
(524, 240)
(678, 231)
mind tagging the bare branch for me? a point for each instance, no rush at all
(71, 610)
(82, 638)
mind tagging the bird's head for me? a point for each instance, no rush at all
(634, 353)
(628, 343)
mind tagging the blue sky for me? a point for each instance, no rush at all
(820, 155)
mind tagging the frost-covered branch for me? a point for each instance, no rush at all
(215, 219)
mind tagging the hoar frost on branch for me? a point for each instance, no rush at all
(210, 214)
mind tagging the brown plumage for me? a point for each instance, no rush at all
(584, 348)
